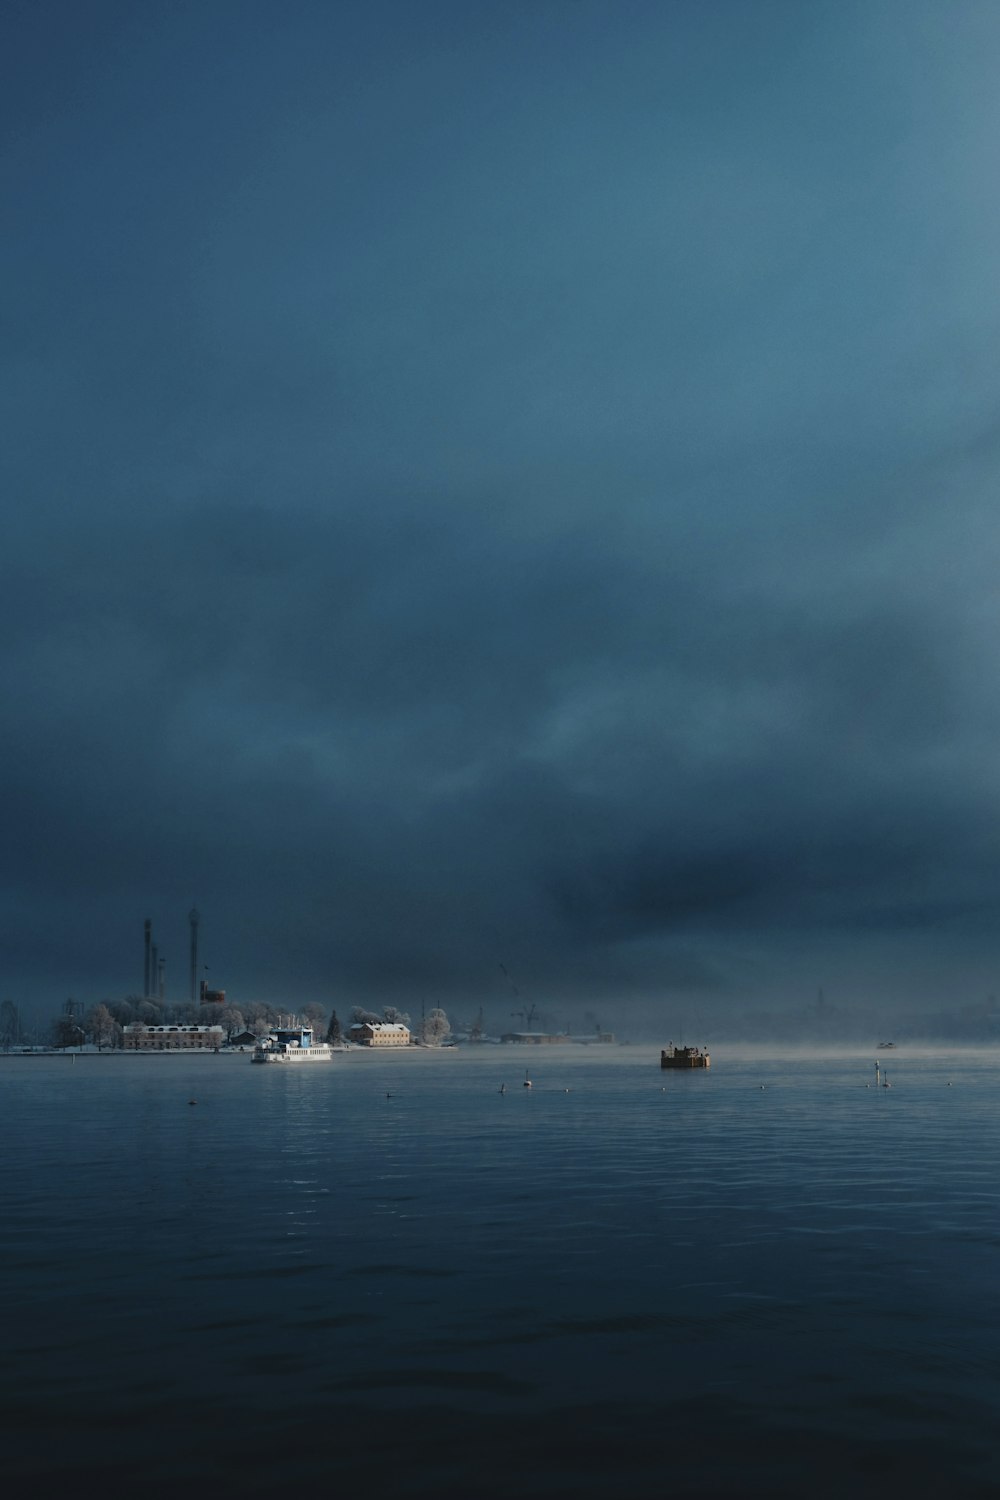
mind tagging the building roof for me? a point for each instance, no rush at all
(141, 1026)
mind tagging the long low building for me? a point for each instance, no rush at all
(535, 1038)
(142, 1038)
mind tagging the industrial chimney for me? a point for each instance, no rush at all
(193, 919)
(146, 972)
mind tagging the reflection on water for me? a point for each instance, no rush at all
(771, 1278)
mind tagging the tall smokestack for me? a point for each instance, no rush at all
(193, 919)
(146, 971)
(153, 971)
(163, 978)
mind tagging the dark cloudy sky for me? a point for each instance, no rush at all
(502, 482)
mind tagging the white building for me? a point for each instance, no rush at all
(141, 1038)
(380, 1034)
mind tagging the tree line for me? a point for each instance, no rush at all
(102, 1025)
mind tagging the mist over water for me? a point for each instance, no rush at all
(386, 1276)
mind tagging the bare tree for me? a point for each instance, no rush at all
(10, 1025)
(67, 1033)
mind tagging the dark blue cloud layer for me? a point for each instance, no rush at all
(501, 482)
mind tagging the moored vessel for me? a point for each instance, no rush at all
(291, 1044)
(685, 1057)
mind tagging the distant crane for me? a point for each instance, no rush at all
(510, 981)
(526, 1015)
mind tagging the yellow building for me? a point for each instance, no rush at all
(380, 1034)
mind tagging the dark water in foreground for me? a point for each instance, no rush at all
(648, 1285)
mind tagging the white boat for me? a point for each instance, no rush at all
(291, 1044)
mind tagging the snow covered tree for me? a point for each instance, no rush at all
(102, 1027)
(434, 1028)
(260, 1017)
(231, 1018)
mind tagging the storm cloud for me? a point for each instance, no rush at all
(502, 484)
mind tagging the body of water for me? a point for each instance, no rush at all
(384, 1276)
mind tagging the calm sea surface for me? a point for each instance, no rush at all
(384, 1277)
